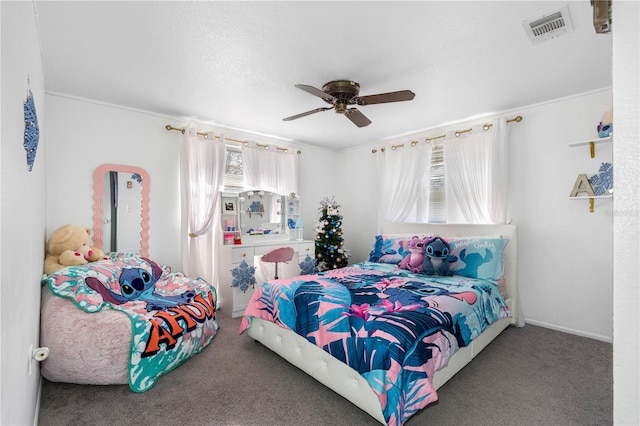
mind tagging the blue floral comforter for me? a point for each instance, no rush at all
(394, 327)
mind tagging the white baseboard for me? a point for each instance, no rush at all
(569, 330)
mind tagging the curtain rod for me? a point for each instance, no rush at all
(169, 127)
(487, 126)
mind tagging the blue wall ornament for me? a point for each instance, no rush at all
(243, 276)
(31, 130)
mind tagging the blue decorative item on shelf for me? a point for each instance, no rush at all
(605, 127)
(604, 130)
(243, 276)
(602, 183)
(291, 223)
(31, 130)
(308, 266)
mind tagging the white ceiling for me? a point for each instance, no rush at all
(235, 63)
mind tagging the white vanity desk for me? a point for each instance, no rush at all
(233, 299)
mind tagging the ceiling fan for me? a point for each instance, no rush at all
(342, 93)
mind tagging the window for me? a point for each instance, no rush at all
(233, 177)
(437, 206)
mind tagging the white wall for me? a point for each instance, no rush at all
(85, 135)
(319, 173)
(563, 249)
(626, 253)
(566, 266)
(22, 215)
(358, 196)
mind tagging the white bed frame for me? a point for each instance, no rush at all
(345, 380)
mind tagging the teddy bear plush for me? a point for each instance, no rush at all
(70, 245)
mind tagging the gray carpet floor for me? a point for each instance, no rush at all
(527, 376)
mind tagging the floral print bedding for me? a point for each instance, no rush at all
(394, 327)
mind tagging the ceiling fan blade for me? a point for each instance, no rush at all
(381, 98)
(317, 92)
(356, 117)
(304, 114)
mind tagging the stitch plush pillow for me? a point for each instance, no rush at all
(387, 248)
(478, 257)
(106, 272)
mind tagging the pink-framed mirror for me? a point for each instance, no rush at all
(121, 209)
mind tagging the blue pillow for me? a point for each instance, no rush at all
(478, 257)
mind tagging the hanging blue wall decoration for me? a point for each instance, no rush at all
(243, 276)
(31, 130)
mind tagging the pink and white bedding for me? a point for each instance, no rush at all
(396, 328)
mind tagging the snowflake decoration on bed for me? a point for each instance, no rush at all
(602, 183)
(308, 266)
(31, 130)
(243, 276)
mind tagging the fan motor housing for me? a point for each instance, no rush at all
(344, 92)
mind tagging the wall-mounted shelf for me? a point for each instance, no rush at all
(591, 200)
(592, 151)
(592, 144)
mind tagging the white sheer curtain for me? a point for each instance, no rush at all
(202, 162)
(475, 178)
(476, 174)
(403, 183)
(270, 169)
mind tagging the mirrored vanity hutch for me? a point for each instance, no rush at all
(254, 223)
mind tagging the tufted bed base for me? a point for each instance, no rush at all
(343, 379)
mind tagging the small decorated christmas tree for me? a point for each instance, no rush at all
(330, 251)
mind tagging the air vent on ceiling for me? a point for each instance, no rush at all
(548, 26)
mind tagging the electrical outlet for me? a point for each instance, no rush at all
(30, 359)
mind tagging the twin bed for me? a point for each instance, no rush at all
(386, 338)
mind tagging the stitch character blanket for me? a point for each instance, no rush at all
(395, 327)
(172, 316)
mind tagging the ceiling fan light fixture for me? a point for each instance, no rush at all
(342, 93)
